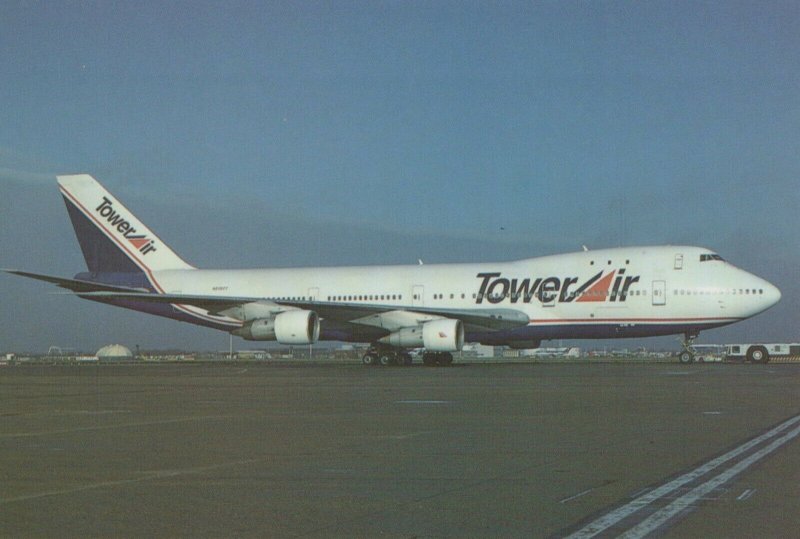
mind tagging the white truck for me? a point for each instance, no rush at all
(760, 353)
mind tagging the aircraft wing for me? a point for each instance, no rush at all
(383, 316)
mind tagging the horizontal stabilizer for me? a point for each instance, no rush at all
(212, 304)
(75, 285)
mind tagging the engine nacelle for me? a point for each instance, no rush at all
(405, 338)
(297, 327)
(443, 335)
(288, 327)
(262, 329)
(436, 336)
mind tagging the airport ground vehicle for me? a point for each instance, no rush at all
(760, 353)
(704, 353)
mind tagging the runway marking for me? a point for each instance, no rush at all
(116, 426)
(659, 518)
(620, 513)
(712, 413)
(148, 477)
(422, 402)
(578, 495)
(96, 412)
(391, 436)
(746, 494)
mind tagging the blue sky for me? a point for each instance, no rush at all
(257, 134)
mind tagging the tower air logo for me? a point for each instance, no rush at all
(611, 287)
(140, 242)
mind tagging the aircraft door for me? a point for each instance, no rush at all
(659, 292)
(418, 295)
(313, 294)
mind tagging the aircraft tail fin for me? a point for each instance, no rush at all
(112, 239)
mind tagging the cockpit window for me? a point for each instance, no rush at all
(707, 257)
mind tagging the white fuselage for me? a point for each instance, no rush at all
(637, 291)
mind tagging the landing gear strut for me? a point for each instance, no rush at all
(687, 354)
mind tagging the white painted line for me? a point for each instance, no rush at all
(578, 495)
(657, 519)
(620, 513)
(746, 494)
(712, 413)
(422, 402)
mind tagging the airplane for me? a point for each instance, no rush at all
(590, 294)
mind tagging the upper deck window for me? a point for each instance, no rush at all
(707, 257)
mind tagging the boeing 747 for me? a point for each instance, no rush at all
(599, 294)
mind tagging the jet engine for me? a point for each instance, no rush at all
(446, 335)
(288, 327)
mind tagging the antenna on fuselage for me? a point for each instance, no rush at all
(585, 248)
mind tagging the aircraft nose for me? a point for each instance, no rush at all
(771, 293)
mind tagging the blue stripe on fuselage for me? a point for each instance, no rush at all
(593, 331)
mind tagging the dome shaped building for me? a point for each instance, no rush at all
(114, 352)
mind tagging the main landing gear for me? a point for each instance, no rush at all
(686, 355)
(437, 359)
(386, 357)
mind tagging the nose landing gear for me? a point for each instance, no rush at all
(686, 356)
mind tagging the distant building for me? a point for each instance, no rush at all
(253, 354)
(114, 352)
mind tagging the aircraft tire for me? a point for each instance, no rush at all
(387, 359)
(369, 359)
(685, 357)
(757, 354)
(405, 360)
